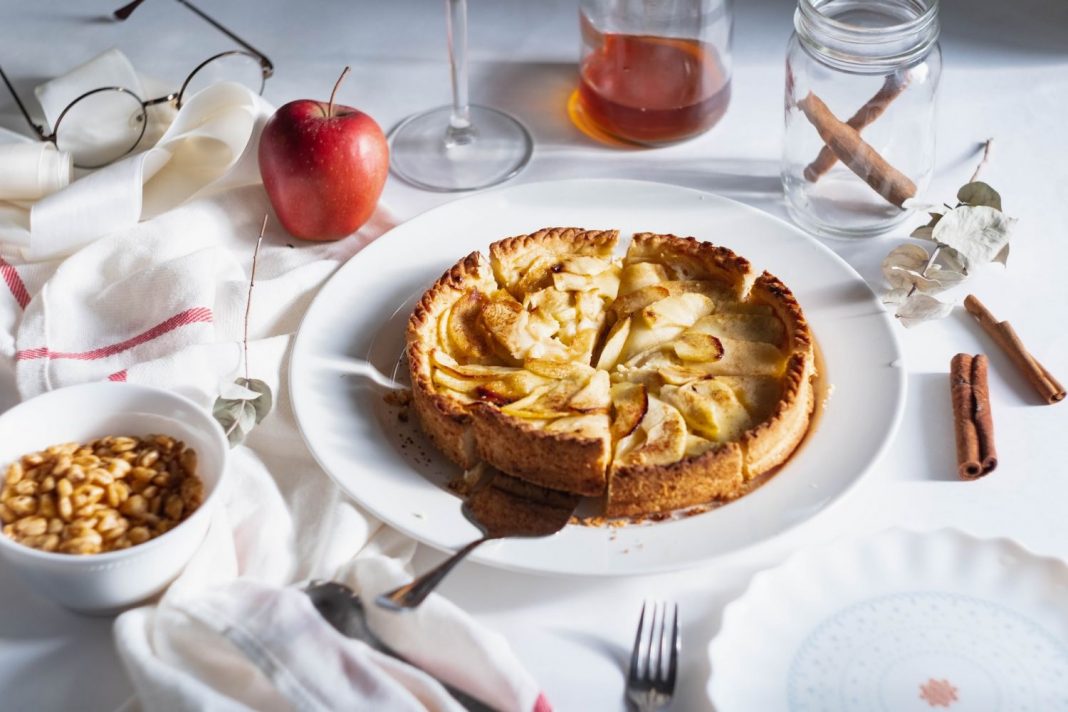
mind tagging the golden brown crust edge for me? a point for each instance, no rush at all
(562, 241)
(710, 476)
(771, 442)
(559, 461)
(444, 419)
(705, 260)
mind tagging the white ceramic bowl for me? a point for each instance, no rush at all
(108, 582)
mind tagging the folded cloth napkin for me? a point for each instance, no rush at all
(206, 148)
(30, 170)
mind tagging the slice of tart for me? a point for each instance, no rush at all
(527, 400)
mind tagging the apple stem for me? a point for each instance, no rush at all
(330, 109)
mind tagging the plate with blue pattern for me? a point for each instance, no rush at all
(898, 622)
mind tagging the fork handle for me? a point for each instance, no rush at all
(415, 592)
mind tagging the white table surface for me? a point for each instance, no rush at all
(1006, 76)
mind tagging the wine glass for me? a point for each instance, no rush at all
(462, 146)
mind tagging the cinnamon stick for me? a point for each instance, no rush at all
(856, 154)
(981, 414)
(969, 464)
(872, 109)
(1048, 388)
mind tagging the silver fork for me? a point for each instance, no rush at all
(654, 663)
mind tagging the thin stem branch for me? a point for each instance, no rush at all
(938, 248)
(251, 284)
(982, 162)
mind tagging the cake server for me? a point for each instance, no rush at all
(501, 507)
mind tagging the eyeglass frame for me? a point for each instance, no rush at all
(266, 69)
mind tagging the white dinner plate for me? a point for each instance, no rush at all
(898, 622)
(389, 468)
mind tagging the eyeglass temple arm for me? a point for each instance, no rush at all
(268, 67)
(36, 127)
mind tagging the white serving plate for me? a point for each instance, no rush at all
(901, 621)
(390, 469)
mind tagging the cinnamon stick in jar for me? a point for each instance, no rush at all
(844, 141)
(865, 115)
(1049, 389)
(973, 423)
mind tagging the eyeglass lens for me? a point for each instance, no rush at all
(106, 124)
(236, 66)
(101, 127)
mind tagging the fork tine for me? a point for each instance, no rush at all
(676, 644)
(662, 643)
(650, 646)
(636, 654)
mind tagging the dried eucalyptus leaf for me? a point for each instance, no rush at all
(224, 412)
(925, 232)
(225, 406)
(264, 400)
(979, 193)
(246, 417)
(949, 259)
(978, 233)
(941, 278)
(238, 391)
(936, 280)
(903, 260)
(920, 308)
(896, 296)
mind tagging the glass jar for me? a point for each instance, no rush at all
(652, 71)
(861, 84)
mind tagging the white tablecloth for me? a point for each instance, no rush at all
(1006, 76)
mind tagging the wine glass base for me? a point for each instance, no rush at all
(421, 155)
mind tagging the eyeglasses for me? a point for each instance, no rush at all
(107, 123)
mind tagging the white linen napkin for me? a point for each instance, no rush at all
(30, 170)
(110, 68)
(209, 146)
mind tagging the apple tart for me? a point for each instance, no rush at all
(667, 378)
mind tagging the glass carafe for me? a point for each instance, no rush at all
(653, 71)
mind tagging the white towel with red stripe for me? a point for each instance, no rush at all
(162, 302)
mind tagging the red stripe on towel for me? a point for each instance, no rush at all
(14, 283)
(542, 704)
(195, 315)
(119, 376)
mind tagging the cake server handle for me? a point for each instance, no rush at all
(411, 594)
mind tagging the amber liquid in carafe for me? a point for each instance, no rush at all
(651, 89)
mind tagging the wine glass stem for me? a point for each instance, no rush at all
(460, 131)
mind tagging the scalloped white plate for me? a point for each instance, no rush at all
(388, 467)
(900, 621)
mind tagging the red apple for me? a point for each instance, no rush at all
(324, 167)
